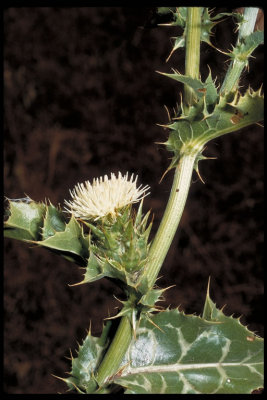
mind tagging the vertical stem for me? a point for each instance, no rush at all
(174, 209)
(237, 65)
(183, 173)
(116, 351)
(156, 256)
(250, 16)
(192, 46)
(171, 217)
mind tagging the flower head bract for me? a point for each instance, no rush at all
(105, 196)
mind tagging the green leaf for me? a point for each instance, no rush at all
(93, 269)
(71, 241)
(242, 111)
(194, 83)
(179, 42)
(205, 89)
(25, 220)
(230, 114)
(211, 91)
(44, 225)
(84, 366)
(206, 26)
(247, 45)
(179, 16)
(185, 354)
(178, 19)
(208, 22)
(210, 312)
(54, 222)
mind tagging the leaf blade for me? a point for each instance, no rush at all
(24, 221)
(200, 356)
(71, 240)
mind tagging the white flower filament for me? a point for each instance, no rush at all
(104, 196)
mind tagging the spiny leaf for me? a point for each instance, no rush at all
(210, 311)
(84, 366)
(25, 220)
(247, 45)
(178, 42)
(194, 83)
(211, 91)
(71, 240)
(178, 15)
(44, 225)
(206, 26)
(201, 89)
(190, 355)
(94, 270)
(53, 222)
(151, 297)
(207, 23)
(232, 112)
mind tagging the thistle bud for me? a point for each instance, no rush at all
(118, 236)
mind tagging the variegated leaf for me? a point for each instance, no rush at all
(186, 354)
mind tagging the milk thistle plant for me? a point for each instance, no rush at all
(156, 350)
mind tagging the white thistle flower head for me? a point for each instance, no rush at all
(104, 196)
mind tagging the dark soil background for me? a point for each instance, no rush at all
(82, 99)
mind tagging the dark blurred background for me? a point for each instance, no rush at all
(82, 99)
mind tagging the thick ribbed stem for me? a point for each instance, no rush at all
(192, 47)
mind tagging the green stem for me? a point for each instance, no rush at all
(157, 254)
(183, 173)
(116, 351)
(173, 212)
(236, 66)
(172, 216)
(192, 46)
(250, 16)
